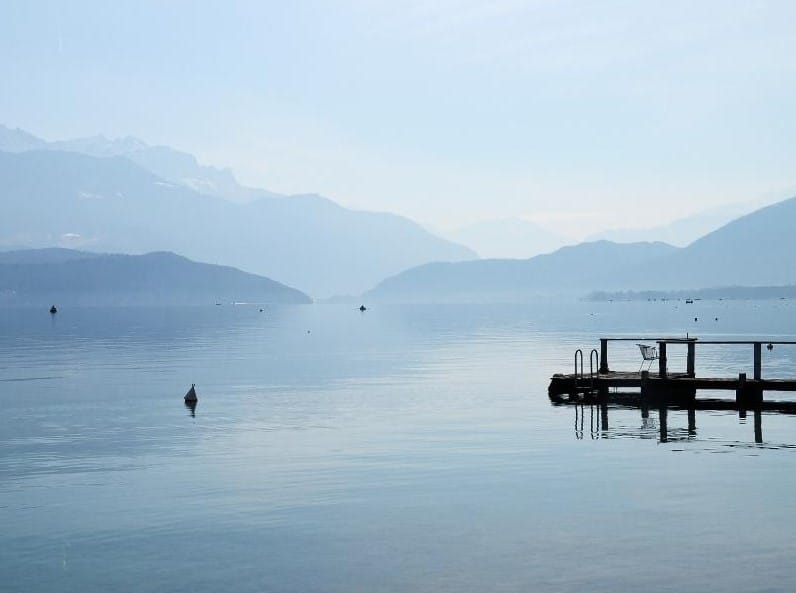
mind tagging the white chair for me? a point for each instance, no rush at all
(648, 354)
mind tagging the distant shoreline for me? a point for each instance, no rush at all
(730, 293)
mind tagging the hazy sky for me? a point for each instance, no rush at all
(582, 114)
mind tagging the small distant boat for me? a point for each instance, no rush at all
(53, 309)
(191, 395)
(363, 308)
(689, 301)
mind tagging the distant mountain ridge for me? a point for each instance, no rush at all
(683, 231)
(50, 255)
(63, 276)
(570, 270)
(758, 249)
(70, 199)
(172, 165)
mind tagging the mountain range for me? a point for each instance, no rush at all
(570, 270)
(126, 196)
(758, 249)
(167, 163)
(69, 277)
(683, 231)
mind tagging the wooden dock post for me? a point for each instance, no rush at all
(644, 400)
(603, 355)
(758, 425)
(604, 407)
(662, 422)
(691, 361)
(662, 359)
(740, 395)
(756, 392)
(690, 397)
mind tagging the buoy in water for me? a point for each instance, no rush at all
(53, 310)
(770, 347)
(191, 395)
(363, 308)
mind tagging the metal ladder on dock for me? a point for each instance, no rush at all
(594, 362)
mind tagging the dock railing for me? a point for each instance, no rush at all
(691, 343)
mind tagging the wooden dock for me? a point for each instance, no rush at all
(659, 389)
(662, 388)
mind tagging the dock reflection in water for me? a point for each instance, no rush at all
(654, 425)
(664, 389)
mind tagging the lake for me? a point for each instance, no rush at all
(406, 448)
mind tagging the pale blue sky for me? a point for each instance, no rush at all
(585, 115)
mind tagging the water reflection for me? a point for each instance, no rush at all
(655, 426)
(597, 421)
(579, 417)
(191, 405)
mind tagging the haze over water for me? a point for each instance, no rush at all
(403, 449)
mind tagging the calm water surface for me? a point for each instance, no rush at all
(403, 449)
